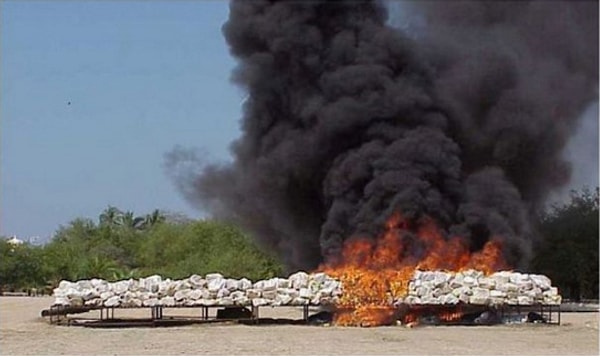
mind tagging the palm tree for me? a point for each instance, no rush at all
(154, 218)
(131, 221)
(111, 216)
(98, 267)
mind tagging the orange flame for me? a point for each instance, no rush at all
(374, 273)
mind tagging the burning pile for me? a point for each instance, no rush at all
(378, 274)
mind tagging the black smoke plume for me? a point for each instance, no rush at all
(348, 119)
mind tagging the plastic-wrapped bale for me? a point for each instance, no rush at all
(299, 280)
(504, 287)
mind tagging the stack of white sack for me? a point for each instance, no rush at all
(301, 288)
(474, 287)
(298, 289)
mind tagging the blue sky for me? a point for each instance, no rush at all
(141, 77)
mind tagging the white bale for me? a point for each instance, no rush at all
(525, 285)
(257, 302)
(283, 299)
(212, 276)
(299, 280)
(268, 285)
(90, 294)
(437, 292)
(440, 278)
(197, 281)
(64, 284)
(209, 302)
(552, 299)
(289, 291)
(535, 293)
(283, 283)
(244, 284)
(305, 293)
(487, 283)
(135, 303)
(299, 301)
(465, 298)
(188, 302)
(167, 301)
(507, 287)
(237, 294)
(133, 285)
(472, 273)
(429, 299)
(518, 277)
(427, 276)
(496, 300)
(551, 292)
(231, 284)
(243, 301)
(423, 291)
(120, 287)
(195, 294)
(457, 281)
(106, 295)
(470, 281)
(259, 284)
(215, 284)
(269, 294)
(449, 299)
(325, 292)
(83, 284)
(164, 287)
(60, 293)
(151, 284)
(501, 277)
(497, 294)
(253, 293)
(225, 301)
(150, 302)
(206, 294)
(223, 292)
(411, 299)
(541, 281)
(73, 293)
(94, 302)
(113, 301)
(183, 294)
(99, 285)
(478, 300)
(319, 277)
(524, 300)
(315, 301)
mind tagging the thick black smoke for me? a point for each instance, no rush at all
(349, 120)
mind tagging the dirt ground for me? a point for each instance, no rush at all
(23, 331)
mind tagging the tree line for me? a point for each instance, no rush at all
(121, 245)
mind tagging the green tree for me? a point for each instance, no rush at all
(21, 266)
(568, 253)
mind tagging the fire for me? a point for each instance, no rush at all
(374, 273)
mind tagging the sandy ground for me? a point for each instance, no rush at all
(23, 331)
